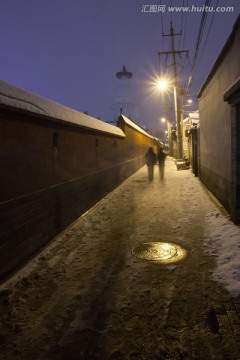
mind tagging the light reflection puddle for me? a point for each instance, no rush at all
(162, 252)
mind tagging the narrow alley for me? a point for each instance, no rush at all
(87, 295)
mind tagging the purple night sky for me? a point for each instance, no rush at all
(70, 50)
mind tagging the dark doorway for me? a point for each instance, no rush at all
(236, 166)
(195, 144)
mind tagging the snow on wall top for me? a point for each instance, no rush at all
(135, 126)
(18, 98)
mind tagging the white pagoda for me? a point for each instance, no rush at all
(124, 102)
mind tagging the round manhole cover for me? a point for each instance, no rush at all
(163, 252)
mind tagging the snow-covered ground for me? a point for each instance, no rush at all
(87, 294)
(222, 240)
(224, 243)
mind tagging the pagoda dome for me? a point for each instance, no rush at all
(124, 73)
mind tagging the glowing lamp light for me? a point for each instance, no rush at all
(162, 84)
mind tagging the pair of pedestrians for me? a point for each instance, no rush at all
(152, 159)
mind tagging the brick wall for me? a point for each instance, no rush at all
(51, 174)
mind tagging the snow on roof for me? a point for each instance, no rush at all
(194, 117)
(20, 99)
(137, 127)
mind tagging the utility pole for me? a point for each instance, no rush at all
(169, 129)
(173, 52)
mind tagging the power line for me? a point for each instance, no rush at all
(201, 29)
(208, 33)
(199, 39)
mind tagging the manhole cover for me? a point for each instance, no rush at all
(163, 252)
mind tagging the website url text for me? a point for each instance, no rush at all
(193, 8)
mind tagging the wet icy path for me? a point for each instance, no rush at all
(87, 297)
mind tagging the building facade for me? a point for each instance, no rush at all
(219, 104)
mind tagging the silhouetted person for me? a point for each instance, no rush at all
(161, 162)
(151, 160)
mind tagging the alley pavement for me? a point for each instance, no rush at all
(129, 280)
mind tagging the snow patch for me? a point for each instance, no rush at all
(223, 241)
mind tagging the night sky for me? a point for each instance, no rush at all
(70, 50)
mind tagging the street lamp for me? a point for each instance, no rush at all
(162, 84)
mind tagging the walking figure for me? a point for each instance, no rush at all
(161, 162)
(151, 160)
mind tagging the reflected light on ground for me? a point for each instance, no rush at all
(162, 252)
